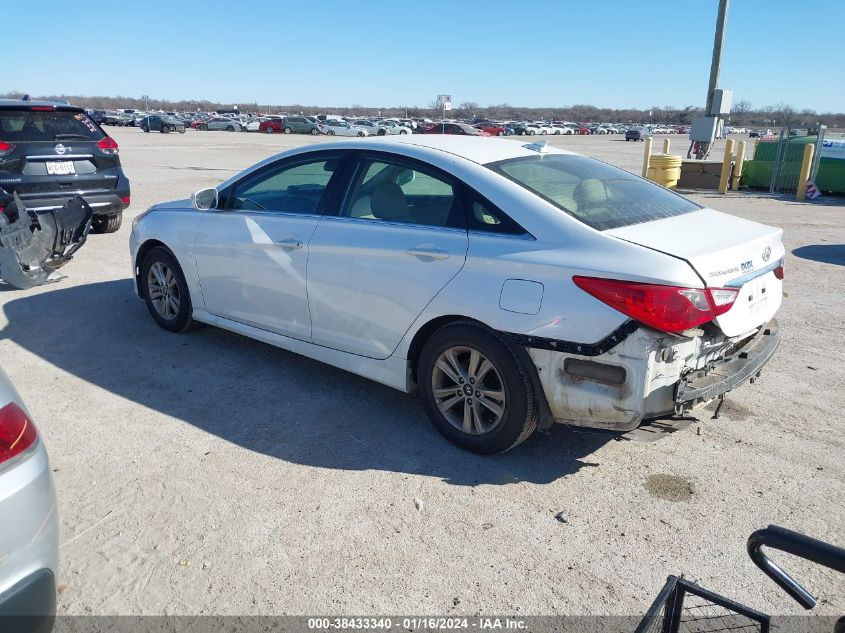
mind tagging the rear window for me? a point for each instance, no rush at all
(599, 195)
(53, 125)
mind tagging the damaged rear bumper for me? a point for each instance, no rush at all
(644, 374)
(35, 243)
(723, 375)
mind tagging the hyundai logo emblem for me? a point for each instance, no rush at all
(767, 253)
(60, 149)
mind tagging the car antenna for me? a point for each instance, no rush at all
(541, 147)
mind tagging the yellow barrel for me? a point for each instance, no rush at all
(665, 169)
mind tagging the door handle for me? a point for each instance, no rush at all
(428, 252)
(289, 244)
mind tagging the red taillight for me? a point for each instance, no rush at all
(6, 148)
(125, 200)
(665, 308)
(108, 145)
(17, 432)
(779, 271)
(42, 108)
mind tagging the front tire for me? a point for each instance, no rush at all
(476, 390)
(106, 223)
(166, 291)
(268, 130)
(315, 131)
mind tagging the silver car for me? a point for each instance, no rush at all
(29, 526)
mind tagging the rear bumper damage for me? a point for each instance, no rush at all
(720, 377)
(647, 374)
(33, 244)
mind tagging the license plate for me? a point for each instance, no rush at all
(60, 167)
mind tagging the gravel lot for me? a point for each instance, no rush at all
(208, 473)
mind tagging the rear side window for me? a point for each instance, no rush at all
(483, 216)
(396, 192)
(53, 125)
(597, 194)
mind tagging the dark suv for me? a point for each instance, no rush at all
(50, 152)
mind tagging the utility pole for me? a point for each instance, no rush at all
(715, 65)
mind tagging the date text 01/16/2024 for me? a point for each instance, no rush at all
(416, 623)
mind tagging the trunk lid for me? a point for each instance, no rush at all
(727, 252)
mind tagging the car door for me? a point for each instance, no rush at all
(398, 238)
(252, 253)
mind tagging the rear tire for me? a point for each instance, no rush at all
(288, 130)
(107, 223)
(268, 129)
(498, 405)
(175, 316)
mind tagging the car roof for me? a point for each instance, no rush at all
(17, 104)
(478, 149)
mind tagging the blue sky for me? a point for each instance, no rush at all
(611, 53)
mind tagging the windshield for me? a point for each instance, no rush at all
(48, 125)
(597, 194)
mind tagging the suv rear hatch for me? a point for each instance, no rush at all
(51, 152)
(727, 252)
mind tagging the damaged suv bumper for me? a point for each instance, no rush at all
(647, 374)
(34, 244)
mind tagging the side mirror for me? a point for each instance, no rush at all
(205, 199)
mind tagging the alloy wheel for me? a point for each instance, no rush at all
(163, 290)
(468, 390)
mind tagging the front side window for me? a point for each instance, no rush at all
(395, 192)
(296, 188)
(597, 194)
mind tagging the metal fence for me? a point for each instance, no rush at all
(788, 157)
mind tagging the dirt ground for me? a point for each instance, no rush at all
(211, 474)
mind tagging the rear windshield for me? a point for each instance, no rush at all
(597, 194)
(58, 125)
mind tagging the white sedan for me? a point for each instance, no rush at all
(334, 127)
(254, 123)
(390, 127)
(510, 285)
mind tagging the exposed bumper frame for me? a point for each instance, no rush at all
(705, 384)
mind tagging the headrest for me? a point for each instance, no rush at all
(388, 202)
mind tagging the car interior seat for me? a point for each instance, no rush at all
(388, 202)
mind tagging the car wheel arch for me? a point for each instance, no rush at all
(143, 250)
(428, 329)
